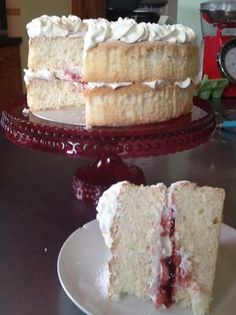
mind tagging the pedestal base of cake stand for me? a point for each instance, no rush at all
(90, 181)
(51, 134)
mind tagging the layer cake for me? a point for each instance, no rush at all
(125, 73)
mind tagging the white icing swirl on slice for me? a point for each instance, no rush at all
(107, 209)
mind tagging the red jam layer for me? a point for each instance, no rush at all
(169, 264)
(167, 283)
(171, 271)
(74, 77)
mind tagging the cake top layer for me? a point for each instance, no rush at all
(96, 31)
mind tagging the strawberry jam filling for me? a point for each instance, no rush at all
(71, 76)
(171, 271)
(169, 264)
(168, 280)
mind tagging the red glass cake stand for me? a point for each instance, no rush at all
(108, 145)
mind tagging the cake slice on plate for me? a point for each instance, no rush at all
(163, 242)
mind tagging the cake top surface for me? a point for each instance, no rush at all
(99, 30)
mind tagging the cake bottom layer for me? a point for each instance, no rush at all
(136, 104)
(54, 94)
(125, 106)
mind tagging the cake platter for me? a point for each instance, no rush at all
(61, 133)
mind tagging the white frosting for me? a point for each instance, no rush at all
(106, 209)
(184, 84)
(75, 76)
(115, 85)
(129, 31)
(43, 74)
(155, 84)
(54, 26)
(172, 189)
(64, 75)
(152, 84)
(99, 30)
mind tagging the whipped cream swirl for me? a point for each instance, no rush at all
(54, 26)
(128, 31)
(96, 31)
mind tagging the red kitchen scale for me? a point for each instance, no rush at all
(218, 20)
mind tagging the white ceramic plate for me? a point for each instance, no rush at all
(84, 254)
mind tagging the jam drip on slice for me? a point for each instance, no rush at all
(169, 264)
(168, 280)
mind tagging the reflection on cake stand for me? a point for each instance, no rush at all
(64, 132)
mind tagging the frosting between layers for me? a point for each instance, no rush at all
(152, 84)
(114, 85)
(39, 74)
(96, 31)
(45, 74)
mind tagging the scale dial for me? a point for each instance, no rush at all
(227, 60)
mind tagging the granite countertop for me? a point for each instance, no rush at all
(9, 41)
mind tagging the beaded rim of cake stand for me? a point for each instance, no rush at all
(173, 136)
